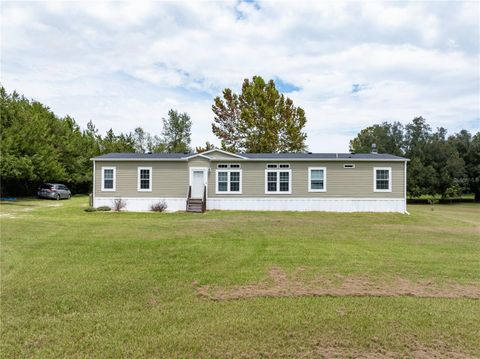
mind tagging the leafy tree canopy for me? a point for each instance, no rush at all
(176, 134)
(208, 146)
(37, 146)
(260, 119)
(439, 165)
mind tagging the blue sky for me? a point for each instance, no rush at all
(347, 64)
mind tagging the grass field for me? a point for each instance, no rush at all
(112, 285)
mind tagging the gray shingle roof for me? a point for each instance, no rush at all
(322, 156)
(142, 156)
(257, 156)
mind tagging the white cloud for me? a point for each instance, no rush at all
(125, 64)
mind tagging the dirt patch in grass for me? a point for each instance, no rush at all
(279, 284)
(432, 229)
(417, 352)
(318, 350)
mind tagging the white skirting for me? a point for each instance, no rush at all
(137, 204)
(310, 204)
(269, 204)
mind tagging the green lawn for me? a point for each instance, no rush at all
(112, 285)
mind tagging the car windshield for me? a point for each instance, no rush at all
(46, 186)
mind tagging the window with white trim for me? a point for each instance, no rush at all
(317, 179)
(144, 179)
(229, 181)
(108, 178)
(278, 181)
(382, 179)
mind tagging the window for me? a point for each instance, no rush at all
(272, 165)
(144, 179)
(108, 178)
(222, 180)
(284, 165)
(234, 181)
(272, 181)
(278, 181)
(222, 165)
(348, 165)
(317, 179)
(382, 179)
(229, 181)
(284, 181)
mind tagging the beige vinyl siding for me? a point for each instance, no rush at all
(198, 162)
(341, 182)
(169, 179)
(221, 156)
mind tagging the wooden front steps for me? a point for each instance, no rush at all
(195, 205)
(198, 205)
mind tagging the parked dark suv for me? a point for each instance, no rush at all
(54, 191)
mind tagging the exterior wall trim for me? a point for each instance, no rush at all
(310, 179)
(114, 168)
(205, 174)
(405, 186)
(94, 184)
(150, 179)
(390, 182)
(228, 170)
(205, 171)
(290, 180)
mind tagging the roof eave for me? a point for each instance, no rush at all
(202, 154)
(139, 159)
(186, 159)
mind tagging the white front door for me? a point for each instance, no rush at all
(197, 184)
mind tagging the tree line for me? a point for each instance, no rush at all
(37, 146)
(440, 165)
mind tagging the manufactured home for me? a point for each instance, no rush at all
(216, 179)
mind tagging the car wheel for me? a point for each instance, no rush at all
(57, 197)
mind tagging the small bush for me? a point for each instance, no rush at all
(160, 206)
(104, 209)
(90, 209)
(119, 204)
(432, 203)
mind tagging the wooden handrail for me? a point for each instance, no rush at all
(204, 201)
(189, 195)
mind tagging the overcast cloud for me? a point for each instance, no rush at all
(348, 65)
